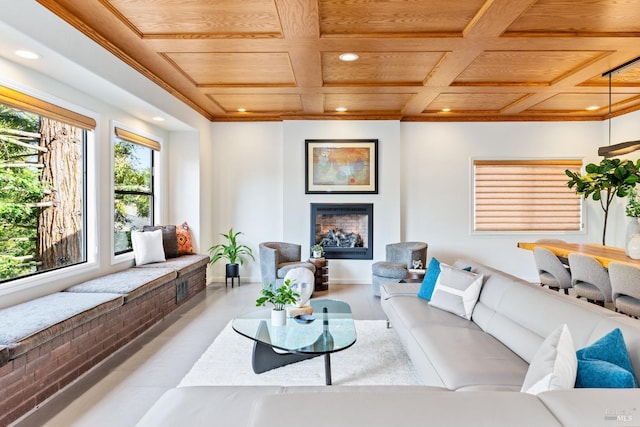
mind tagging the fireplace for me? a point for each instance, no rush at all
(345, 230)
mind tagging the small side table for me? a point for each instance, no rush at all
(416, 275)
(322, 274)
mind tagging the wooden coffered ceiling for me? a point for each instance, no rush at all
(488, 60)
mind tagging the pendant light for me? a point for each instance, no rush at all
(622, 147)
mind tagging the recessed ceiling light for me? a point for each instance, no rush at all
(27, 54)
(592, 108)
(341, 109)
(242, 110)
(347, 57)
(158, 119)
(446, 110)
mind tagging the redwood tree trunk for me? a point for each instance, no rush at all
(60, 225)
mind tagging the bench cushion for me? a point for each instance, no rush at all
(132, 282)
(182, 265)
(29, 324)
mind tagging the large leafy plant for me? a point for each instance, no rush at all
(232, 250)
(605, 181)
(278, 296)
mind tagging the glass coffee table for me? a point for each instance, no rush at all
(331, 330)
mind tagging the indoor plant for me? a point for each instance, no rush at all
(232, 251)
(317, 251)
(603, 182)
(279, 297)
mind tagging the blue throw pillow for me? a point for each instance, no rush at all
(601, 374)
(430, 278)
(603, 364)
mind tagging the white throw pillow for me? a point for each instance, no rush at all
(554, 365)
(456, 291)
(147, 246)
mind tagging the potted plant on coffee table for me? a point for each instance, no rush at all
(279, 297)
(232, 251)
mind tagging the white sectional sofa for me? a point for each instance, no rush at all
(472, 370)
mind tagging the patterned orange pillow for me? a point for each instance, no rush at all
(184, 239)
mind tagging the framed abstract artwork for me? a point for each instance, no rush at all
(341, 166)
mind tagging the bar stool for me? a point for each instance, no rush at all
(552, 272)
(625, 280)
(590, 279)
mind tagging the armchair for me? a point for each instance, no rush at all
(277, 258)
(399, 259)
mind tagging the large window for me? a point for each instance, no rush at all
(42, 186)
(133, 186)
(525, 195)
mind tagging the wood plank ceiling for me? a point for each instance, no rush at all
(419, 60)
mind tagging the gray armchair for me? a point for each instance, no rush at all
(277, 258)
(399, 259)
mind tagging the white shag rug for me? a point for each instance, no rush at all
(377, 358)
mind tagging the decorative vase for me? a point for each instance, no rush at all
(633, 248)
(633, 227)
(278, 317)
(317, 254)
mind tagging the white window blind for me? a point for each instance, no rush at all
(525, 195)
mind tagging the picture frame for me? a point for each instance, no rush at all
(341, 166)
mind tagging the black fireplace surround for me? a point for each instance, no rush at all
(345, 230)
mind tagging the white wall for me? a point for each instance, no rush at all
(247, 187)
(437, 163)
(183, 183)
(424, 186)
(386, 204)
(259, 186)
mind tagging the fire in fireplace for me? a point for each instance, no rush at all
(345, 230)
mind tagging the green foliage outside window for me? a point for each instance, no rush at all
(42, 209)
(133, 199)
(20, 192)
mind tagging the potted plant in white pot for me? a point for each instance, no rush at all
(232, 251)
(317, 251)
(279, 297)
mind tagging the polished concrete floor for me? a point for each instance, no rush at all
(121, 389)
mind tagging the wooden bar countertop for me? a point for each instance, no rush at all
(603, 254)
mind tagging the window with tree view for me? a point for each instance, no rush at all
(133, 186)
(42, 197)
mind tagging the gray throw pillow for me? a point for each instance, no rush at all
(169, 238)
(456, 291)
